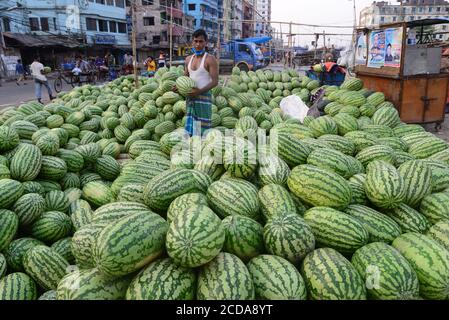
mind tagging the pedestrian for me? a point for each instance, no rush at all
(109, 60)
(37, 71)
(128, 63)
(202, 68)
(20, 72)
(161, 60)
(151, 66)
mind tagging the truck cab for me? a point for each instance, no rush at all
(245, 55)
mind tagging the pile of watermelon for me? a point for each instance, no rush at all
(104, 196)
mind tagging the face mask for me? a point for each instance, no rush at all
(198, 53)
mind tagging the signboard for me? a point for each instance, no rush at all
(129, 23)
(393, 42)
(104, 39)
(376, 53)
(361, 49)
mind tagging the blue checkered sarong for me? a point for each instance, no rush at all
(199, 114)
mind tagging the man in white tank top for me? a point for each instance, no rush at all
(203, 69)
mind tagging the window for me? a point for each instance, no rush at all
(444, 27)
(128, 3)
(121, 27)
(110, 2)
(102, 25)
(55, 27)
(147, 2)
(419, 18)
(164, 36)
(91, 24)
(100, 1)
(413, 9)
(192, 7)
(148, 21)
(34, 24)
(421, 9)
(447, 9)
(441, 36)
(382, 19)
(6, 24)
(156, 39)
(120, 3)
(394, 19)
(164, 18)
(438, 9)
(44, 24)
(412, 18)
(113, 26)
(430, 9)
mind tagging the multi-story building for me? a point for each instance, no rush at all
(237, 17)
(248, 26)
(383, 12)
(263, 16)
(59, 29)
(154, 18)
(205, 14)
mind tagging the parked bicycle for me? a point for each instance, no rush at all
(74, 80)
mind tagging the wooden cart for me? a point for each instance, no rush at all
(411, 79)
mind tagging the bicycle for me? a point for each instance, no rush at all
(72, 79)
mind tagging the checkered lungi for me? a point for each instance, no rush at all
(199, 114)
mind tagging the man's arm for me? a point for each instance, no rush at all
(186, 66)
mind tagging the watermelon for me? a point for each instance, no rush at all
(332, 160)
(151, 282)
(26, 162)
(48, 295)
(56, 201)
(418, 182)
(114, 211)
(243, 237)
(3, 265)
(183, 203)
(435, 207)
(272, 169)
(386, 272)
(51, 226)
(129, 243)
(45, 266)
(319, 187)
(384, 186)
(97, 193)
(16, 250)
(29, 207)
(63, 247)
(91, 285)
(330, 276)
(9, 138)
(440, 233)
(275, 200)
(18, 286)
(427, 147)
(9, 224)
(225, 278)
(440, 174)
(195, 237)
(386, 116)
(52, 168)
(409, 219)
(275, 278)
(288, 236)
(430, 261)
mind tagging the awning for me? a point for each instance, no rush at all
(25, 40)
(427, 22)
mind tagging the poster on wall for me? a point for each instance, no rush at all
(361, 49)
(376, 55)
(393, 43)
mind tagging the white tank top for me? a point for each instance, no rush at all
(201, 76)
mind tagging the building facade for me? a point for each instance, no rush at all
(383, 12)
(263, 16)
(248, 26)
(154, 18)
(205, 14)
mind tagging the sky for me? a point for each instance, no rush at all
(318, 12)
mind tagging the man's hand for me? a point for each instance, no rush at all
(174, 89)
(194, 93)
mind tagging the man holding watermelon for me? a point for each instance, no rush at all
(202, 68)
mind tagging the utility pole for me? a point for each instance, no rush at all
(133, 7)
(171, 33)
(354, 35)
(290, 56)
(218, 47)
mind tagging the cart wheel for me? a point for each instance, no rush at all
(57, 85)
(73, 81)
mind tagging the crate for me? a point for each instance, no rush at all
(327, 78)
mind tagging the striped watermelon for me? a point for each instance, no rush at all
(376, 98)
(56, 201)
(97, 193)
(336, 230)
(319, 187)
(435, 207)
(409, 219)
(345, 122)
(275, 278)
(289, 148)
(107, 167)
(417, 178)
(289, 236)
(377, 152)
(26, 163)
(440, 233)
(73, 159)
(243, 237)
(386, 116)
(440, 174)
(225, 278)
(332, 160)
(240, 159)
(195, 237)
(323, 125)
(17, 286)
(3, 265)
(380, 227)
(427, 147)
(80, 213)
(82, 243)
(275, 200)
(131, 192)
(384, 186)
(16, 250)
(361, 139)
(151, 282)
(393, 142)
(52, 168)
(48, 144)
(9, 138)
(45, 266)
(357, 184)
(48, 295)
(339, 143)
(430, 260)
(114, 211)
(129, 243)
(29, 207)
(168, 185)
(272, 169)
(184, 202)
(234, 197)
(9, 224)
(91, 285)
(330, 276)
(51, 226)
(386, 272)
(90, 152)
(64, 248)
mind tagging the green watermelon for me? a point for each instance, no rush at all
(17, 286)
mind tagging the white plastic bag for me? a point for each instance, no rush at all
(294, 107)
